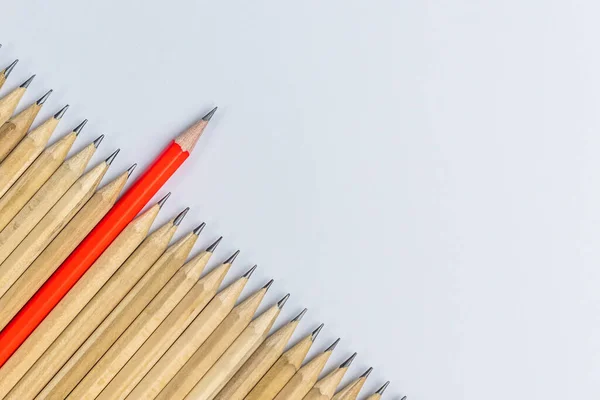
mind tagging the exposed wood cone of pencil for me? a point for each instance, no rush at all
(169, 330)
(190, 340)
(379, 393)
(326, 387)
(283, 369)
(307, 375)
(215, 345)
(8, 105)
(127, 281)
(259, 362)
(236, 355)
(13, 130)
(6, 72)
(35, 176)
(28, 149)
(27, 250)
(352, 390)
(69, 307)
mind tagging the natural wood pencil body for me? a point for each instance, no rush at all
(69, 307)
(235, 356)
(121, 317)
(33, 178)
(163, 337)
(25, 153)
(325, 388)
(258, 364)
(99, 307)
(281, 372)
(13, 130)
(45, 231)
(304, 379)
(351, 391)
(8, 104)
(214, 346)
(60, 244)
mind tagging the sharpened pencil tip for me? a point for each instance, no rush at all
(333, 345)
(404, 398)
(9, 69)
(282, 302)
(316, 332)
(112, 157)
(382, 389)
(62, 112)
(26, 84)
(210, 114)
(162, 201)
(180, 217)
(43, 99)
(232, 258)
(130, 170)
(299, 316)
(213, 247)
(79, 127)
(248, 274)
(268, 285)
(98, 141)
(367, 373)
(348, 362)
(199, 229)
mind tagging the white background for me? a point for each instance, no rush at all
(423, 176)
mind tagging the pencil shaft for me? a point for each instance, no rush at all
(13, 130)
(8, 104)
(304, 379)
(351, 391)
(325, 388)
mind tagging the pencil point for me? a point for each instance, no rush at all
(333, 346)
(210, 114)
(25, 84)
(282, 302)
(212, 247)
(348, 362)
(112, 157)
(43, 99)
(98, 141)
(232, 258)
(180, 217)
(162, 201)
(130, 170)
(248, 274)
(9, 69)
(268, 285)
(316, 332)
(299, 316)
(382, 389)
(80, 127)
(404, 398)
(199, 229)
(367, 373)
(62, 112)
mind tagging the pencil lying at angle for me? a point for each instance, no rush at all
(352, 390)
(307, 375)
(8, 105)
(326, 387)
(259, 362)
(122, 287)
(215, 345)
(69, 307)
(6, 72)
(377, 395)
(134, 336)
(35, 176)
(190, 340)
(73, 268)
(13, 130)
(236, 355)
(283, 369)
(25, 153)
(119, 319)
(15, 262)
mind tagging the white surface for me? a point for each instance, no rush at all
(423, 176)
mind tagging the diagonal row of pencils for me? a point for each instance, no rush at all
(141, 323)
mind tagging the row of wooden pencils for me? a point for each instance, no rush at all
(141, 322)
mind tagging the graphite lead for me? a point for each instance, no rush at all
(180, 217)
(62, 112)
(80, 127)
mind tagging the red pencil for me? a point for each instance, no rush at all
(130, 204)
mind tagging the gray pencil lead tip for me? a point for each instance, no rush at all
(26, 84)
(282, 302)
(210, 114)
(404, 398)
(348, 362)
(79, 127)
(43, 99)
(268, 285)
(162, 201)
(248, 274)
(299, 316)
(62, 112)
(9, 69)
(213, 247)
(180, 217)
(112, 157)
(130, 170)
(232, 258)
(382, 389)
(316, 332)
(98, 141)
(367, 373)
(333, 345)
(199, 229)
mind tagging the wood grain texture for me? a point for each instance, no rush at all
(2, 78)
(258, 364)
(189, 341)
(210, 351)
(100, 306)
(352, 390)
(25, 153)
(13, 130)
(235, 356)
(44, 232)
(8, 105)
(281, 372)
(69, 307)
(304, 379)
(163, 337)
(325, 388)
(33, 178)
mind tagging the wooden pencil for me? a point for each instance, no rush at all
(379, 393)
(141, 328)
(6, 72)
(215, 345)
(28, 149)
(25, 252)
(190, 340)
(69, 307)
(325, 388)
(283, 369)
(8, 105)
(35, 176)
(13, 130)
(16, 228)
(259, 362)
(307, 375)
(113, 293)
(352, 390)
(236, 355)
(169, 330)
